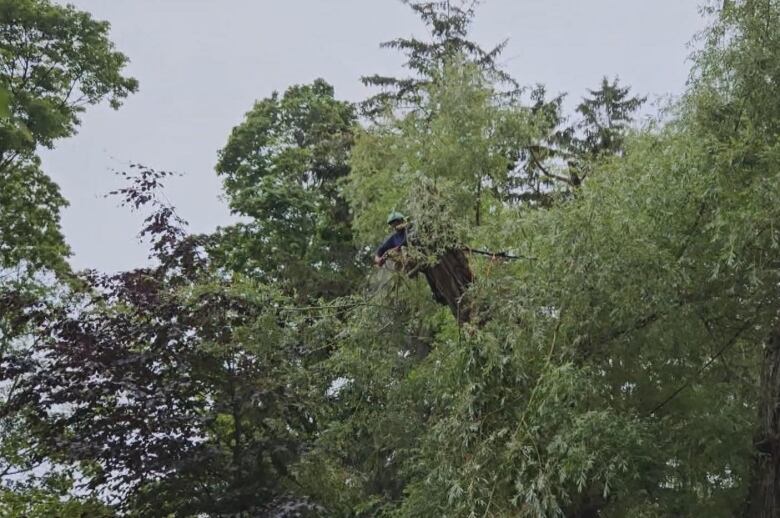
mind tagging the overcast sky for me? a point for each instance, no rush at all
(202, 63)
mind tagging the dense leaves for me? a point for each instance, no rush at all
(448, 24)
(158, 379)
(54, 62)
(281, 169)
(29, 220)
(620, 360)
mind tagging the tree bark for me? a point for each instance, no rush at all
(764, 492)
(588, 504)
(449, 280)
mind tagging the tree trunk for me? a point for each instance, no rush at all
(764, 492)
(588, 504)
(478, 204)
(449, 279)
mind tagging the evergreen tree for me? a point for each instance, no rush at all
(569, 152)
(606, 116)
(447, 22)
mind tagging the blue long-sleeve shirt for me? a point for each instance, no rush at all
(398, 238)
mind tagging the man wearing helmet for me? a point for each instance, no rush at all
(397, 222)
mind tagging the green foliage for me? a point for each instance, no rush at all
(458, 141)
(193, 380)
(55, 61)
(567, 398)
(5, 103)
(29, 220)
(281, 169)
(52, 498)
(448, 25)
(615, 371)
(569, 153)
(611, 370)
(606, 115)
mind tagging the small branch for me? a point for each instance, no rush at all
(502, 255)
(704, 367)
(547, 173)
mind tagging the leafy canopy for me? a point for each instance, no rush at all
(281, 169)
(54, 62)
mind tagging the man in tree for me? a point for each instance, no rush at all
(448, 278)
(397, 239)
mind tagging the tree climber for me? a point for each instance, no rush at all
(449, 277)
(397, 239)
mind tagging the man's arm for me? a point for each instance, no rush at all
(379, 256)
(394, 241)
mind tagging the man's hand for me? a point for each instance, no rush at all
(379, 261)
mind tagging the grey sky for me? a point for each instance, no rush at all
(202, 63)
